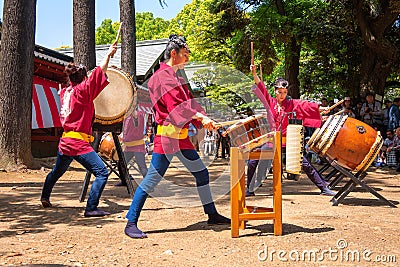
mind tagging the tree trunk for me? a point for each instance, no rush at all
(16, 70)
(378, 53)
(374, 72)
(84, 33)
(128, 39)
(292, 67)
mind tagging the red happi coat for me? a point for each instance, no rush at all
(134, 130)
(305, 110)
(173, 104)
(77, 111)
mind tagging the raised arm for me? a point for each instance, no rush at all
(253, 69)
(111, 51)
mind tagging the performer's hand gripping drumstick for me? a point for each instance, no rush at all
(325, 111)
(208, 123)
(110, 53)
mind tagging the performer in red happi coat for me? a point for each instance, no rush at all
(174, 109)
(281, 105)
(76, 115)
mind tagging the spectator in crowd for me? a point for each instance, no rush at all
(223, 143)
(371, 112)
(388, 158)
(324, 102)
(394, 114)
(385, 110)
(209, 142)
(396, 148)
(357, 110)
(347, 108)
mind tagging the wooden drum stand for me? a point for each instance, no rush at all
(240, 212)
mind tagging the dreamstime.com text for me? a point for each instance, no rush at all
(338, 253)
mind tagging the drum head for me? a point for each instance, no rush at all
(116, 99)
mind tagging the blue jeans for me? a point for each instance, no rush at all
(139, 158)
(92, 162)
(158, 166)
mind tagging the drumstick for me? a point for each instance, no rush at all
(225, 123)
(118, 34)
(339, 112)
(252, 53)
(332, 107)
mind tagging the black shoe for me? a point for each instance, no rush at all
(46, 203)
(217, 218)
(398, 169)
(250, 194)
(293, 177)
(120, 184)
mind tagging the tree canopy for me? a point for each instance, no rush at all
(324, 48)
(147, 28)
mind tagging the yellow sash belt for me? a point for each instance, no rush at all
(78, 135)
(172, 131)
(134, 143)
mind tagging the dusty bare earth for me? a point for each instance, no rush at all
(363, 231)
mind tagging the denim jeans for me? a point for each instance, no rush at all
(92, 162)
(139, 159)
(158, 166)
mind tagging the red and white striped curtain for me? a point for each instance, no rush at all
(45, 103)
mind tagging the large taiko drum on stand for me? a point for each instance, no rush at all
(249, 132)
(117, 99)
(351, 143)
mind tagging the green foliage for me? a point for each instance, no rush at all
(107, 32)
(198, 25)
(147, 28)
(220, 31)
(227, 88)
(150, 28)
(331, 44)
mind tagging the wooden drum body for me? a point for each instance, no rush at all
(350, 142)
(249, 132)
(117, 99)
(107, 147)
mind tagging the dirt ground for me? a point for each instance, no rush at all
(362, 231)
